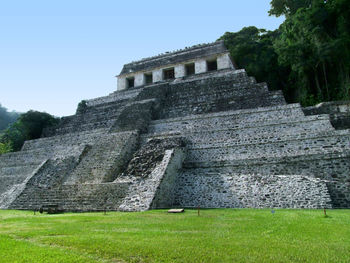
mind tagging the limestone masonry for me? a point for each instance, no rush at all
(185, 129)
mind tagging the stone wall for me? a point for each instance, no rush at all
(257, 191)
(339, 112)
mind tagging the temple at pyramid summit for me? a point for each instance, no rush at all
(184, 129)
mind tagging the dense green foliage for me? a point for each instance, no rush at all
(217, 235)
(308, 57)
(27, 127)
(6, 117)
(252, 49)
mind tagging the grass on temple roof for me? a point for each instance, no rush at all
(217, 235)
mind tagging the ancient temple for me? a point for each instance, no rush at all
(183, 129)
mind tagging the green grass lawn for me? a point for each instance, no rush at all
(217, 235)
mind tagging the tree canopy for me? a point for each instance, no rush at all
(308, 57)
(27, 127)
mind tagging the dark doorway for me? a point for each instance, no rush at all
(130, 82)
(189, 69)
(212, 65)
(169, 73)
(149, 78)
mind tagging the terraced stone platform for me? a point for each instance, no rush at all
(211, 139)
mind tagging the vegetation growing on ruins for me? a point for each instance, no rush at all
(217, 235)
(28, 126)
(308, 56)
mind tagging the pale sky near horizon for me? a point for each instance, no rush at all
(54, 54)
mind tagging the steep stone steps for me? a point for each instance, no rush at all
(105, 159)
(16, 170)
(90, 118)
(36, 156)
(12, 185)
(95, 117)
(84, 137)
(22, 158)
(84, 127)
(9, 180)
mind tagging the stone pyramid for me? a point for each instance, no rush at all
(184, 129)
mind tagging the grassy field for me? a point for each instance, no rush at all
(217, 235)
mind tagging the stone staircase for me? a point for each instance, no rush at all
(81, 153)
(245, 147)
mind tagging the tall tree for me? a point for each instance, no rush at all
(314, 42)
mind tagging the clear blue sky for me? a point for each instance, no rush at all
(53, 54)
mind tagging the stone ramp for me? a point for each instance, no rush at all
(14, 188)
(15, 169)
(105, 159)
(43, 174)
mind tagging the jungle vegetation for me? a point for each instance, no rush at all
(308, 56)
